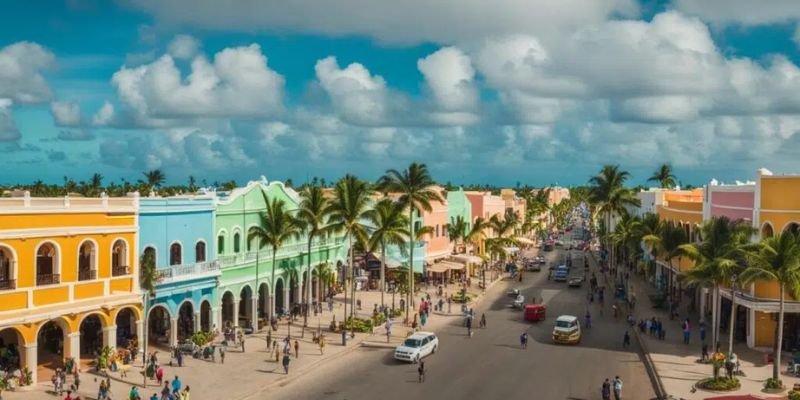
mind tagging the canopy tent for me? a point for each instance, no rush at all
(466, 258)
(439, 267)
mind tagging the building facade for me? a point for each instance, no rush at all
(176, 235)
(68, 282)
(458, 205)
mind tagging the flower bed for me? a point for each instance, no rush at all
(720, 384)
(359, 325)
(794, 395)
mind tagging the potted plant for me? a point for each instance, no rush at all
(772, 385)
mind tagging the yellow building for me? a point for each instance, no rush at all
(68, 282)
(685, 209)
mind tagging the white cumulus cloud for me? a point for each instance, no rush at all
(21, 67)
(66, 113)
(183, 47)
(449, 74)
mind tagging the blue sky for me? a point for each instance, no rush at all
(533, 91)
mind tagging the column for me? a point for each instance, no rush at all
(72, 346)
(235, 313)
(286, 302)
(110, 336)
(271, 302)
(216, 319)
(30, 360)
(703, 305)
(254, 313)
(197, 320)
(173, 332)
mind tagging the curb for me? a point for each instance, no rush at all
(650, 367)
(377, 345)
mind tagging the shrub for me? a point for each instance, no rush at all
(773, 383)
(201, 338)
(378, 319)
(396, 312)
(719, 383)
(794, 395)
(359, 325)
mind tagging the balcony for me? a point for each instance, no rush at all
(87, 275)
(8, 284)
(120, 270)
(188, 271)
(48, 279)
(266, 253)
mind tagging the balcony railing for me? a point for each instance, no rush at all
(177, 271)
(48, 279)
(266, 254)
(87, 275)
(119, 270)
(8, 284)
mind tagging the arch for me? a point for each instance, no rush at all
(48, 263)
(221, 234)
(8, 267)
(227, 303)
(175, 253)
(158, 324)
(185, 319)
(767, 230)
(12, 342)
(792, 226)
(91, 339)
(245, 305)
(249, 242)
(263, 299)
(279, 299)
(125, 319)
(237, 240)
(104, 319)
(53, 344)
(205, 315)
(200, 254)
(119, 257)
(87, 260)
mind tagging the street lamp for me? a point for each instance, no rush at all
(733, 314)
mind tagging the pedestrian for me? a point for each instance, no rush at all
(296, 349)
(176, 385)
(269, 338)
(222, 354)
(321, 344)
(154, 396)
(185, 393)
(702, 332)
(449, 304)
(134, 394)
(686, 331)
(69, 395)
(179, 356)
(704, 353)
(469, 326)
(165, 392)
(241, 338)
(588, 320)
(626, 340)
(523, 340)
(388, 330)
(606, 390)
(76, 378)
(650, 326)
(483, 320)
(286, 363)
(421, 370)
(617, 388)
(277, 353)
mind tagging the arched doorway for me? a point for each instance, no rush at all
(793, 227)
(227, 309)
(11, 348)
(47, 272)
(205, 316)
(279, 304)
(767, 231)
(126, 328)
(7, 264)
(158, 326)
(263, 300)
(185, 320)
(87, 264)
(50, 339)
(293, 289)
(245, 307)
(91, 336)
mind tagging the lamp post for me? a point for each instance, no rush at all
(733, 314)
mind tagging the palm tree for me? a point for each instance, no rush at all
(95, 183)
(347, 211)
(476, 233)
(663, 176)
(666, 244)
(648, 224)
(456, 231)
(776, 259)
(192, 184)
(313, 215)
(148, 277)
(390, 229)
(609, 194)
(155, 178)
(717, 260)
(417, 189)
(278, 226)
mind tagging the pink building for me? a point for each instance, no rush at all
(437, 244)
(733, 201)
(485, 204)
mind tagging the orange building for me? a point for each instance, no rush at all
(68, 282)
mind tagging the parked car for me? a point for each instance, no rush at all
(540, 260)
(561, 274)
(416, 347)
(575, 282)
(535, 312)
(567, 330)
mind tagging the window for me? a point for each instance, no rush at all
(119, 258)
(437, 231)
(446, 230)
(220, 244)
(6, 269)
(86, 266)
(200, 251)
(236, 239)
(46, 264)
(175, 254)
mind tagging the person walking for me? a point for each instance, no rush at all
(176, 385)
(269, 338)
(483, 320)
(686, 331)
(242, 340)
(605, 391)
(617, 388)
(523, 340)
(222, 354)
(421, 371)
(469, 326)
(388, 330)
(702, 332)
(321, 344)
(587, 319)
(626, 340)
(286, 363)
(296, 349)
(704, 352)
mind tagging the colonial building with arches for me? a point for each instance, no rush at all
(176, 236)
(68, 282)
(247, 294)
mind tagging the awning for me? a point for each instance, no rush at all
(524, 240)
(466, 258)
(439, 267)
(454, 265)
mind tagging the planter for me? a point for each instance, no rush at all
(774, 390)
(721, 384)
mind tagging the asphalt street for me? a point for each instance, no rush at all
(491, 364)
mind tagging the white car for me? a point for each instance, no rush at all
(417, 346)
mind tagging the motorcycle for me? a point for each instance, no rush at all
(513, 294)
(518, 303)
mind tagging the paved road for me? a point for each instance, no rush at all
(491, 365)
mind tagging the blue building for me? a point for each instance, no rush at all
(176, 234)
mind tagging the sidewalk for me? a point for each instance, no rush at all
(247, 374)
(677, 364)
